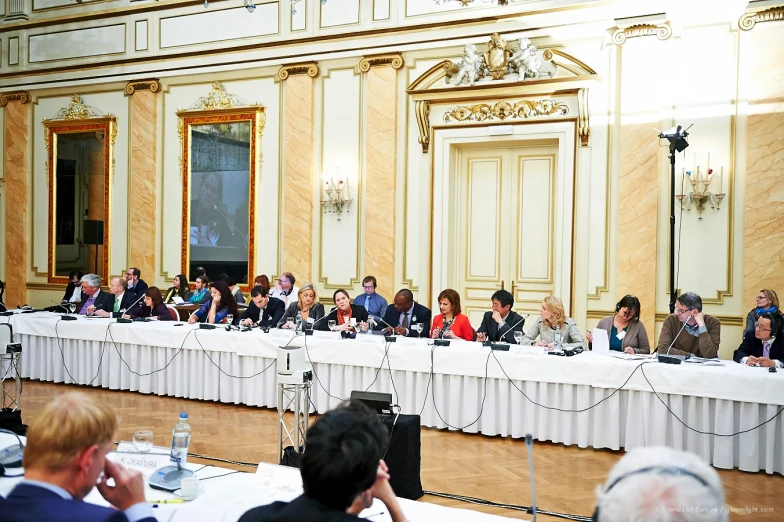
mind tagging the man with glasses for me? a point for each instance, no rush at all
(135, 284)
(285, 289)
(765, 348)
(374, 303)
(688, 331)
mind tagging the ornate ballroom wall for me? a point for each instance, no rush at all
(336, 79)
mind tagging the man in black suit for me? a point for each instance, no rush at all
(261, 304)
(123, 300)
(75, 278)
(342, 471)
(404, 314)
(500, 324)
(766, 347)
(92, 297)
(135, 284)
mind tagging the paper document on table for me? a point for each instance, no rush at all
(628, 356)
(178, 300)
(601, 342)
(705, 362)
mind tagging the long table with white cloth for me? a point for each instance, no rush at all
(590, 400)
(226, 494)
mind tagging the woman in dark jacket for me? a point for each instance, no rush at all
(153, 307)
(348, 317)
(767, 303)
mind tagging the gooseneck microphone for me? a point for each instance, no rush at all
(317, 321)
(373, 321)
(529, 442)
(134, 303)
(514, 326)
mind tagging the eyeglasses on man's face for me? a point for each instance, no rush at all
(760, 328)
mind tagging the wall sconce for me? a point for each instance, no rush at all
(701, 193)
(337, 194)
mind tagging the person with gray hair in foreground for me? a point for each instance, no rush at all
(660, 484)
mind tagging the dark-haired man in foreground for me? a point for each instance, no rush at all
(342, 471)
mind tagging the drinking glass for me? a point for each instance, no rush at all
(518, 336)
(143, 441)
(418, 329)
(229, 319)
(332, 324)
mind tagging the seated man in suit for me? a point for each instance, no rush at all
(766, 347)
(67, 443)
(92, 297)
(123, 300)
(500, 324)
(73, 292)
(405, 313)
(135, 284)
(342, 471)
(263, 310)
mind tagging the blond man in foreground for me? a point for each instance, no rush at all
(65, 458)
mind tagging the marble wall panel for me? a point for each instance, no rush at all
(763, 260)
(381, 154)
(142, 192)
(16, 171)
(637, 217)
(297, 177)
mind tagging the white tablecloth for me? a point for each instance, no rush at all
(238, 367)
(226, 495)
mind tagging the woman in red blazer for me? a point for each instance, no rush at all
(450, 323)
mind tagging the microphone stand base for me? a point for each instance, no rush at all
(168, 478)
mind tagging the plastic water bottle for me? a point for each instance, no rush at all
(181, 439)
(299, 321)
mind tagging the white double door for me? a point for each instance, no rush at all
(503, 212)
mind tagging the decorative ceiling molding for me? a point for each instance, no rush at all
(637, 26)
(309, 68)
(23, 97)
(394, 59)
(761, 11)
(153, 86)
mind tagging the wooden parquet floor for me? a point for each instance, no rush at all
(492, 468)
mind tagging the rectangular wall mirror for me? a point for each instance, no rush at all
(219, 171)
(79, 165)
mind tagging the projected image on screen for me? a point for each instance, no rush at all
(220, 186)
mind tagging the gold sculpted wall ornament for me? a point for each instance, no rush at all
(77, 110)
(309, 68)
(500, 61)
(218, 99)
(504, 110)
(395, 60)
(22, 97)
(637, 26)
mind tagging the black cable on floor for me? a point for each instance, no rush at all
(526, 509)
(484, 396)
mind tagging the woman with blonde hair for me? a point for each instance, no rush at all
(553, 328)
(307, 305)
(767, 303)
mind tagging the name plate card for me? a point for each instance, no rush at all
(527, 349)
(280, 333)
(370, 338)
(147, 463)
(320, 334)
(412, 341)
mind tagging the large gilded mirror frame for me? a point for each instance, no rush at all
(216, 130)
(81, 122)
